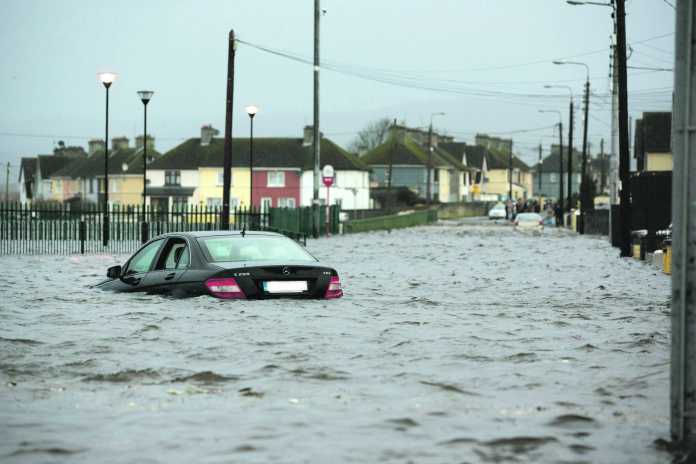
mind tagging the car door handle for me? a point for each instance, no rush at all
(170, 276)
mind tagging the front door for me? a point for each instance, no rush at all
(134, 273)
(171, 265)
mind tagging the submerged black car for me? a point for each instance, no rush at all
(224, 264)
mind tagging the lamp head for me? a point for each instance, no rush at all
(251, 110)
(145, 95)
(106, 78)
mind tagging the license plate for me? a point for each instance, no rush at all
(285, 286)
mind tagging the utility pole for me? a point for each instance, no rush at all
(683, 365)
(316, 142)
(395, 141)
(602, 167)
(227, 162)
(560, 165)
(624, 160)
(510, 172)
(7, 184)
(571, 123)
(584, 192)
(430, 164)
(539, 171)
(614, 147)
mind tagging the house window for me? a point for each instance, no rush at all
(275, 179)
(437, 175)
(221, 178)
(114, 188)
(214, 203)
(172, 177)
(179, 203)
(266, 204)
(552, 178)
(286, 202)
(91, 185)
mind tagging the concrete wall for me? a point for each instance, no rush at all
(461, 210)
(351, 188)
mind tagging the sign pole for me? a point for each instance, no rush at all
(328, 176)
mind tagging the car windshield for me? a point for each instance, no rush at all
(253, 248)
(528, 217)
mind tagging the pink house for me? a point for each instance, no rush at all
(276, 187)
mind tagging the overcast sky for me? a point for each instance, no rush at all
(482, 62)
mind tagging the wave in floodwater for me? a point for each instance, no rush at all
(459, 342)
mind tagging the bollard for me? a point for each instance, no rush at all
(667, 263)
(658, 259)
(83, 236)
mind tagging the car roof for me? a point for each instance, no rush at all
(219, 233)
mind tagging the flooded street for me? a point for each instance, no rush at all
(454, 343)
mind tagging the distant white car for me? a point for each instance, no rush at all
(497, 212)
(529, 221)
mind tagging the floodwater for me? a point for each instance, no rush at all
(454, 343)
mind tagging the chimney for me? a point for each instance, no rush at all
(95, 145)
(308, 136)
(207, 134)
(150, 142)
(119, 143)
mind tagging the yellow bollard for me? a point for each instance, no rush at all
(636, 250)
(667, 260)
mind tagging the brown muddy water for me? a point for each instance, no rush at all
(454, 343)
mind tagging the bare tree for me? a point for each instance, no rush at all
(373, 135)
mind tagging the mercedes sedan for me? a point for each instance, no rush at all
(226, 264)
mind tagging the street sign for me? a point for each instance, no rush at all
(327, 175)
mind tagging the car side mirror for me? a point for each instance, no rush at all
(113, 272)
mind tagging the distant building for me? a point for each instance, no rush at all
(192, 173)
(549, 170)
(490, 158)
(405, 155)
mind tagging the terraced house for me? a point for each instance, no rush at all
(40, 178)
(404, 157)
(192, 173)
(73, 175)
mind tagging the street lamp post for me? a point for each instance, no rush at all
(251, 111)
(624, 212)
(584, 187)
(430, 158)
(145, 96)
(560, 159)
(106, 78)
(571, 124)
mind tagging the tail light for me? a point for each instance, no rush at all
(334, 289)
(541, 222)
(224, 287)
(517, 223)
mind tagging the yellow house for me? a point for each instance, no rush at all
(652, 142)
(210, 182)
(496, 177)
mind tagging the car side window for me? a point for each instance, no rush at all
(175, 256)
(142, 260)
